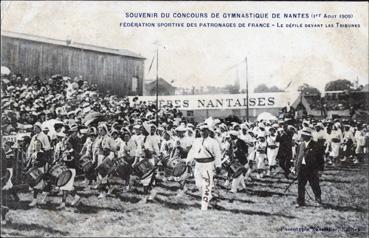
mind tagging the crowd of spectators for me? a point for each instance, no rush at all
(25, 101)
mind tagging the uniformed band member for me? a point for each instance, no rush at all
(239, 153)
(148, 149)
(104, 149)
(206, 153)
(39, 161)
(272, 150)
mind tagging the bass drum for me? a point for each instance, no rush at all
(60, 174)
(106, 167)
(34, 176)
(236, 168)
(176, 167)
(144, 168)
(123, 170)
(85, 164)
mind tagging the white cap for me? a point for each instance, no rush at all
(181, 128)
(306, 132)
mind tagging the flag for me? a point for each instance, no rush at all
(152, 61)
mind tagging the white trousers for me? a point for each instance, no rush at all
(146, 181)
(260, 160)
(204, 173)
(272, 155)
(236, 182)
(335, 149)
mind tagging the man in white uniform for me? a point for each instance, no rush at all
(206, 152)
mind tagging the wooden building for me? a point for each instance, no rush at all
(164, 88)
(118, 71)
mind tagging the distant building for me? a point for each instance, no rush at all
(228, 89)
(118, 71)
(164, 88)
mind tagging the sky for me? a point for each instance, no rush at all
(212, 56)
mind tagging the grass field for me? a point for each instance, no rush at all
(263, 210)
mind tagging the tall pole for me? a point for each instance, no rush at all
(247, 92)
(157, 86)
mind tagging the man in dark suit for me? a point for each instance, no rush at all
(284, 156)
(307, 166)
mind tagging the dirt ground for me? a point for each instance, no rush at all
(262, 210)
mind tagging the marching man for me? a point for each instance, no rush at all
(104, 147)
(206, 152)
(147, 149)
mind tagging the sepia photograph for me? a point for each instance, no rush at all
(184, 119)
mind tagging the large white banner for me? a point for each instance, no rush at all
(227, 101)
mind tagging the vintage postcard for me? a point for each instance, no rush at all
(184, 119)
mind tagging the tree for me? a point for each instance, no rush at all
(338, 85)
(261, 88)
(309, 90)
(232, 89)
(275, 89)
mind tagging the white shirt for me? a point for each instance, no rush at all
(205, 148)
(347, 135)
(271, 140)
(42, 137)
(335, 134)
(359, 138)
(319, 135)
(184, 142)
(135, 139)
(120, 146)
(149, 143)
(166, 147)
(306, 145)
(87, 147)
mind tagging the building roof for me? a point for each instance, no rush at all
(122, 52)
(150, 83)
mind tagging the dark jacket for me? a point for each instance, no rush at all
(321, 151)
(311, 154)
(285, 145)
(240, 151)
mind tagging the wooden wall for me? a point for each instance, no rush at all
(109, 71)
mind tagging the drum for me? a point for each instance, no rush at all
(237, 168)
(106, 167)
(60, 174)
(144, 168)
(129, 159)
(34, 176)
(85, 164)
(5, 178)
(176, 167)
(123, 169)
